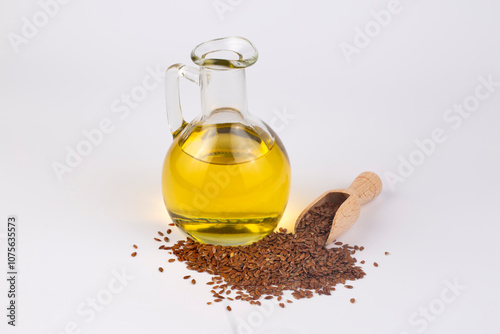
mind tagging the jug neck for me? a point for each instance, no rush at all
(223, 89)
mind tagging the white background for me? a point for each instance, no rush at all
(440, 225)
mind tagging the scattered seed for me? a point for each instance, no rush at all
(134, 254)
(289, 301)
(217, 300)
(160, 233)
(282, 305)
(157, 239)
(348, 286)
(229, 308)
(363, 262)
(186, 277)
(375, 264)
(171, 260)
(386, 253)
(166, 239)
(160, 269)
(269, 297)
(193, 281)
(353, 300)
(135, 246)
(361, 248)
(209, 303)
(169, 231)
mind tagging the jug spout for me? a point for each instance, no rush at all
(225, 53)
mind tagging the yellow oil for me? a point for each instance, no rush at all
(223, 184)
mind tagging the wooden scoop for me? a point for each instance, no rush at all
(365, 187)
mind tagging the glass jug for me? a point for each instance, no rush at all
(226, 176)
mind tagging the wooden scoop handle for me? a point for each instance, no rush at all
(366, 187)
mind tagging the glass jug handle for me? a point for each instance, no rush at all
(174, 112)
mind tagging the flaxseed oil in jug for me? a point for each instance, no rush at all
(226, 176)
